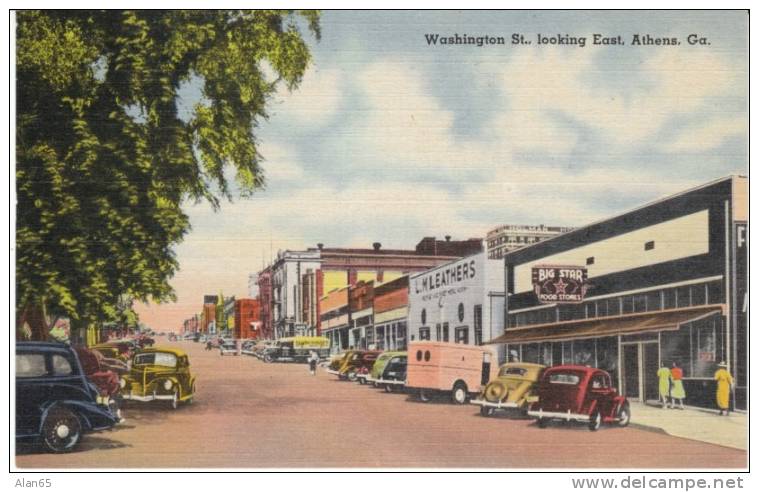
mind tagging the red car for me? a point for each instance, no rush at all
(578, 393)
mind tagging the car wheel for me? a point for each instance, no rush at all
(389, 388)
(459, 394)
(542, 423)
(424, 395)
(486, 411)
(623, 415)
(361, 381)
(267, 358)
(61, 431)
(595, 421)
(352, 376)
(175, 400)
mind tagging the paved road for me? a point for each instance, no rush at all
(249, 414)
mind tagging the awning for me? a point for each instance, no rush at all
(620, 325)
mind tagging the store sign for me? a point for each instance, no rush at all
(560, 284)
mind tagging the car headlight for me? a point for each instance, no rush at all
(167, 384)
(122, 383)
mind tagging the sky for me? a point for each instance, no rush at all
(390, 139)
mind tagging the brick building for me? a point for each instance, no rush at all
(247, 319)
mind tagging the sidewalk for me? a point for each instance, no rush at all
(693, 423)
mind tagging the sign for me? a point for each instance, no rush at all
(559, 284)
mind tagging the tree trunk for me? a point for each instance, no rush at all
(33, 315)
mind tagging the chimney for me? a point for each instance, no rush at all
(376, 246)
(447, 239)
(320, 246)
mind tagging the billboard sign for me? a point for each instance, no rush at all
(559, 284)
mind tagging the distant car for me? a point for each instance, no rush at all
(229, 348)
(296, 349)
(357, 361)
(511, 389)
(578, 393)
(159, 374)
(389, 371)
(55, 402)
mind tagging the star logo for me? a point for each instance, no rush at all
(561, 287)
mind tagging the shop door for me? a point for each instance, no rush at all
(630, 371)
(640, 361)
(650, 366)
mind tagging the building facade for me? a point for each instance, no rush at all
(391, 314)
(287, 291)
(461, 301)
(666, 283)
(335, 318)
(266, 303)
(247, 319)
(507, 238)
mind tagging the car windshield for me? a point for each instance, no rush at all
(563, 378)
(513, 371)
(164, 359)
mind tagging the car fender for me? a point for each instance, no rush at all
(91, 415)
(591, 407)
(618, 402)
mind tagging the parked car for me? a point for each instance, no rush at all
(296, 349)
(336, 360)
(510, 389)
(229, 347)
(55, 402)
(359, 365)
(117, 349)
(159, 374)
(578, 393)
(389, 371)
(449, 368)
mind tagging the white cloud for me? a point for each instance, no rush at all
(707, 135)
(315, 102)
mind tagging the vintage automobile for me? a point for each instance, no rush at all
(578, 393)
(117, 349)
(55, 402)
(229, 347)
(510, 389)
(389, 371)
(336, 360)
(159, 374)
(248, 346)
(357, 361)
(455, 369)
(296, 349)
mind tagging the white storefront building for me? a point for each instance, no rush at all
(460, 302)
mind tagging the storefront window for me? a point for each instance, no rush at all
(683, 297)
(531, 352)
(628, 305)
(704, 335)
(546, 353)
(424, 333)
(715, 293)
(613, 306)
(547, 315)
(670, 299)
(607, 356)
(653, 301)
(698, 295)
(639, 303)
(584, 352)
(675, 347)
(512, 353)
(566, 353)
(602, 308)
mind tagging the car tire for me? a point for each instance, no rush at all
(389, 388)
(595, 421)
(486, 411)
(61, 430)
(542, 423)
(424, 395)
(352, 376)
(623, 415)
(459, 394)
(267, 359)
(361, 381)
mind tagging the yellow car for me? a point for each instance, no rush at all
(159, 374)
(511, 389)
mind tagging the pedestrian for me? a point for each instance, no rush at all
(677, 391)
(724, 382)
(665, 379)
(313, 359)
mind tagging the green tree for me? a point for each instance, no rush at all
(107, 154)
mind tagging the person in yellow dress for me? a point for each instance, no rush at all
(665, 382)
(724, 382)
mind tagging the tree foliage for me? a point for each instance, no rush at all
(106, 155)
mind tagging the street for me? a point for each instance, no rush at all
(248, 414)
